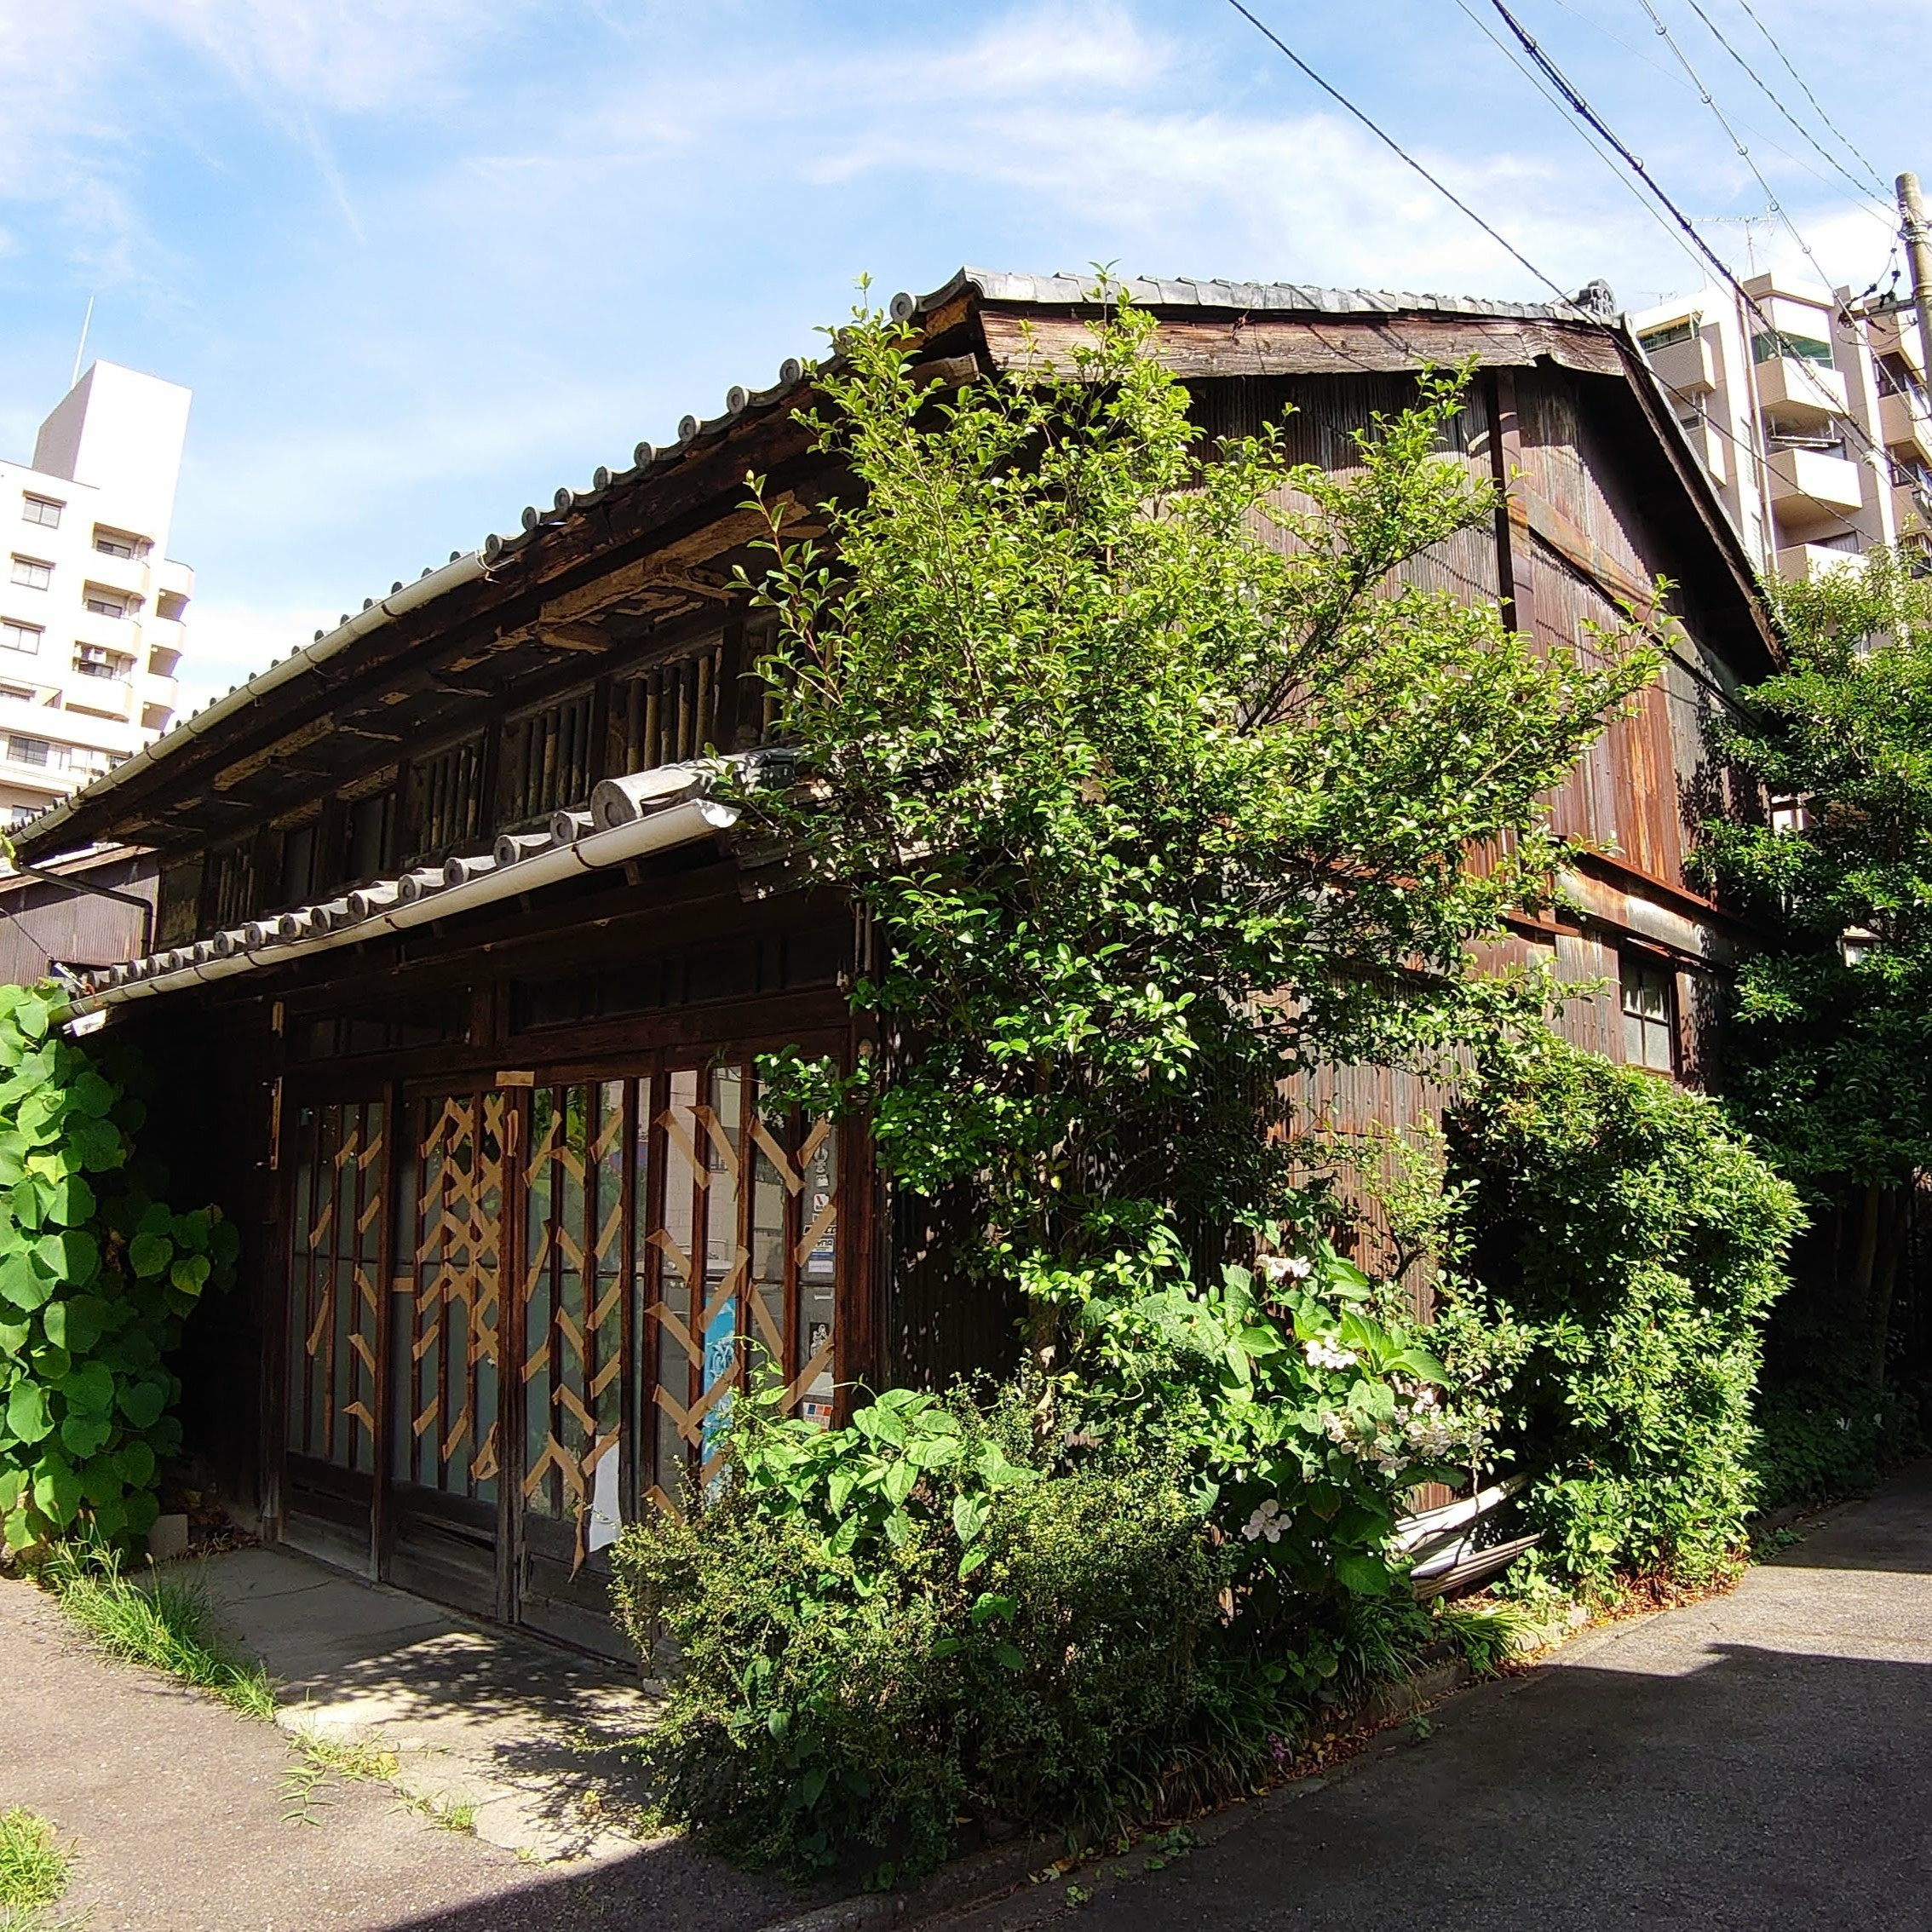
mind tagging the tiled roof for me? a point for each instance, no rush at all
(1593, 304)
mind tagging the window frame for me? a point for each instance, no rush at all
(30, 503)
(24, 568)
(1639, 973)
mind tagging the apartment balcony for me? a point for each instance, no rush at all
(121, 635)
(1905, 424)
(156, 691)
(1808, 485)
(163, 636)
(1689, 367)
(102, 697)
(1908, 514)
(1798, 562)
(131, 576)
(171, 578)
(1794, 389)
(1896, 335)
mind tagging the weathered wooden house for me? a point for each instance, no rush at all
(459, 974)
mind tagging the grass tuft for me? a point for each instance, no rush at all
(165, 1621)
(33, 1869)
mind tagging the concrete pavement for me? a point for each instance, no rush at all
(181, 1819)
(1764, 1760)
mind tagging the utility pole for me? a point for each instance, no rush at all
(1918, 258)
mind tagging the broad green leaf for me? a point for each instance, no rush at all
(27, 1416)
(90, 1387)
(142, 1506)
(69, 1202)
(90, 1095)
(1365, 1575)
(149, 1255)
(22, 1281)
(190, 1275)
(135, 1463)
(142, 1402)
(71, 1257)
(57, 1490)
(83, 1434)
(75, 1322)
(14, 1337)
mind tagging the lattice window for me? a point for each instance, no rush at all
(231, 891)
(340, 1178)
(670, 713)
(546, 759)
(745, 1250)
(577, 1184)
(445, 800)
(446, 1321)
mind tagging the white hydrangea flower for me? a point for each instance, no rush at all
(1324, 1354)
(1286, 1267)
(1268, 1520)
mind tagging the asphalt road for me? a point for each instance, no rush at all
(1762, 1760)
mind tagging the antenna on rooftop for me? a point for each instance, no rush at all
(80, 347)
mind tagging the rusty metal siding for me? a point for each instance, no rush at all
(41, 924)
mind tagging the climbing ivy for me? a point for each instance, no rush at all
(96, 1272)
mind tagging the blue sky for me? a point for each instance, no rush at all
(422, 261)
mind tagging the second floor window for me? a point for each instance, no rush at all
(1650, 1014)
(112, 544)
(106, 603)
(42, 510)
(19, 636)
(29, 750)
(33, 573)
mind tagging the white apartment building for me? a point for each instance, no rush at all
(91, 605)
(1810, 414)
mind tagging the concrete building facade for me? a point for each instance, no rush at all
(92, 607)
(1810, 414)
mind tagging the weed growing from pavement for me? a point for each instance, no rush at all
(34, 1866)
(164, 1620)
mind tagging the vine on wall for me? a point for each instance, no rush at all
(96, 1274)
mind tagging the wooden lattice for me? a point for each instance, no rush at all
(448, 1313)
(340, 1190)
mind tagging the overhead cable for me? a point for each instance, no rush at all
(1401, 152)
(1851, 147)
(1763, 87)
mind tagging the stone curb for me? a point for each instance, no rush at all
(982, 1877)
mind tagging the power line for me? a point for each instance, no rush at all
(1677, 80)
(1737, 141)
(1401, 154)
(1805, 133)
(1851, 147)
(1754, 456)
(1568, 88)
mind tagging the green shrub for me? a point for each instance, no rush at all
(1822, 1438)
(1634, 1242)
(96, 1273)
(943, 1612)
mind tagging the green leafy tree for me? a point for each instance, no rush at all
(1625, 1243)
(96, 1273)
(1158, 779)
(1831, 1053)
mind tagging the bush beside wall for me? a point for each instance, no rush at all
(1637, 1242)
